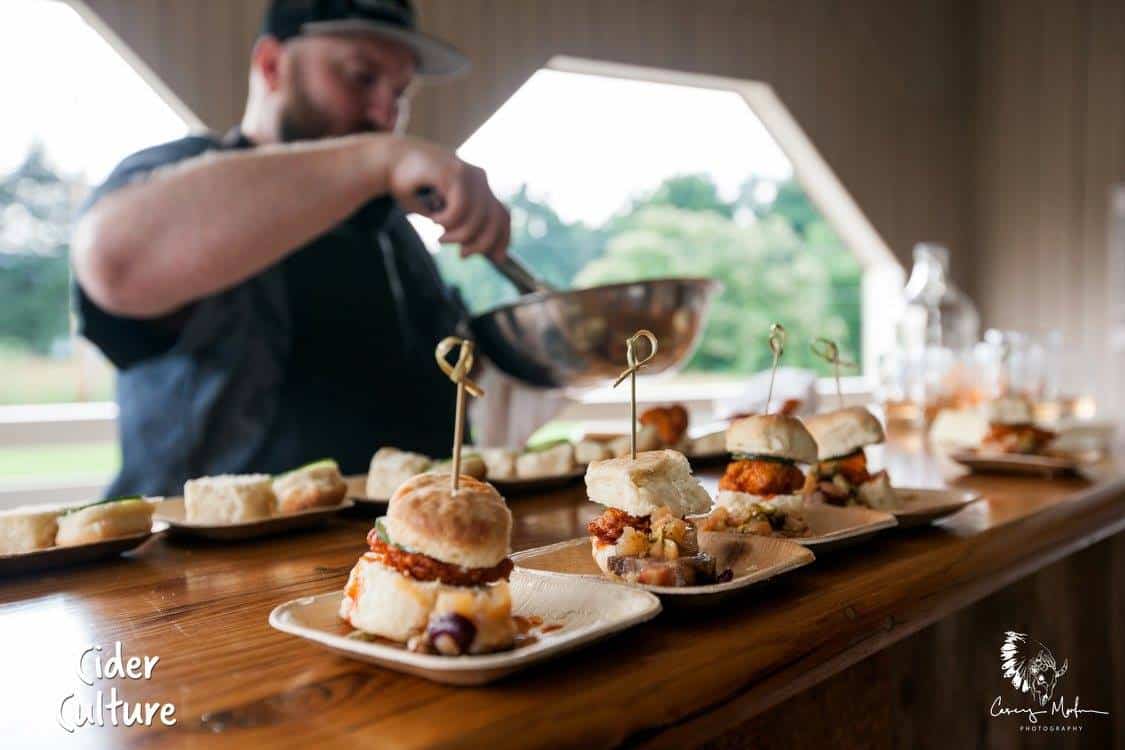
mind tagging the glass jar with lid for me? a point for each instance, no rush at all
(936, 335)
(937, 313)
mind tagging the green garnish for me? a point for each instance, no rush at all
(759, 457)
(312, 464)
(381, 530)
(108, 500)
(545, 445)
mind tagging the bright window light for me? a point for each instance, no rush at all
(584, 144)
(73, 108)
(68, 89)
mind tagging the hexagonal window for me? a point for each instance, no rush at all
(64, 129)
(616, 173)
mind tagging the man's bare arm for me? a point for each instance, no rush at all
(206, 224)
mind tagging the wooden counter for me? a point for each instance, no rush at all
(675, 682)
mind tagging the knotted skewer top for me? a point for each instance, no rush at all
(827, 350)
(631, 354)
(777, 346)
(631, 373)
(459, 371)
(459, 374)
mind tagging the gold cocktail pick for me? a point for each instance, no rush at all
(827, 350)
(631, 373)
(459, 374)
(777, 346)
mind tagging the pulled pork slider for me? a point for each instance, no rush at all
(642, 536)
(841, 476)
(436, 577)
(760, 492)
(1011, 428)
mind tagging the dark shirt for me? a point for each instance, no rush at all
(327, 354)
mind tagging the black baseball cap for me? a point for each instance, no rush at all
(391, 19)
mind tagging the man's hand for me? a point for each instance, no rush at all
(471, 214)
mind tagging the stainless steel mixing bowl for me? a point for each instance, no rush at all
(576, 338)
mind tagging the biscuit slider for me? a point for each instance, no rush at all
(229, 498)
(1011, 428)
(390, 467)
(760, 492)
(27, 529)
(499, 463)
(103, 520)
(546, 462)
(642, 537)
(841, 474)
(472, 465)
(315, 485)
(436, 575)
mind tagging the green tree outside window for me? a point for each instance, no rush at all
(778, 260)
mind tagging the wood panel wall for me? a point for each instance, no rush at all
(881, 87)
(1049, 144)
(934, 689)
(199, 48)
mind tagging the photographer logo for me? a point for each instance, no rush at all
(1030, 667)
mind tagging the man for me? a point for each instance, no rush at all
(261, 294)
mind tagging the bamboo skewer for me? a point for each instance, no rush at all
(777, 346)
(827, 350)
(459, 374)
(631, 373)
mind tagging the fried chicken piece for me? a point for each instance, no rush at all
(670, 422)
(1017, 438)
(762, 478)
(424, 568)
(609, 526)
(790, 407)
(852, 467)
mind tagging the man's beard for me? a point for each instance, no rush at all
(301, 120)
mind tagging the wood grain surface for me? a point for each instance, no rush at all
(678, 681)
